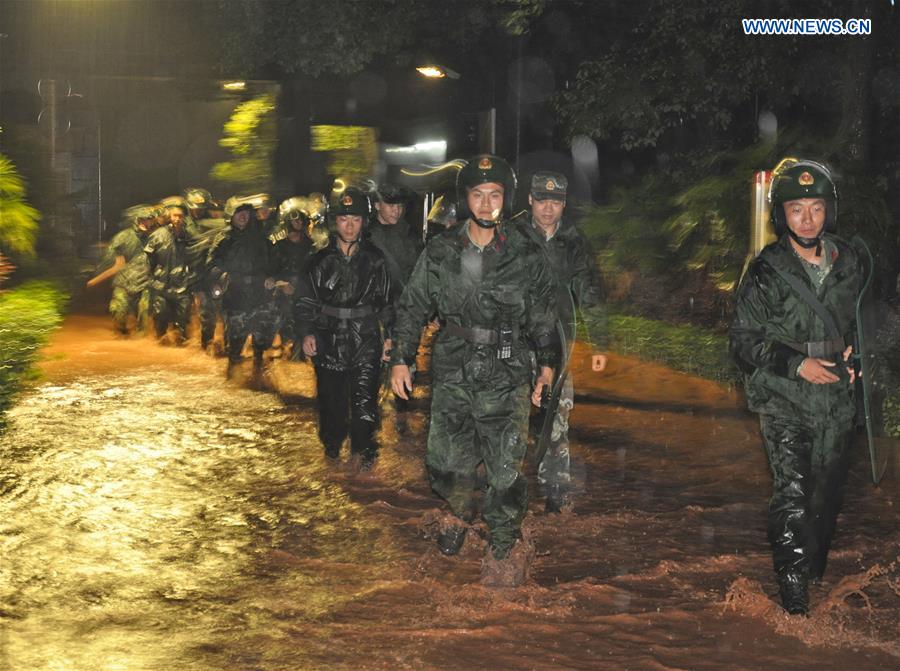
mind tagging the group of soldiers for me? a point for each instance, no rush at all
(505, 294)
(501, 297)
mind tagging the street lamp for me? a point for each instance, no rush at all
(434, 71)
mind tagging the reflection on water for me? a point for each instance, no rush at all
(153, 516)
(147, 514)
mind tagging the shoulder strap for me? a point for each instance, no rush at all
(811, 299)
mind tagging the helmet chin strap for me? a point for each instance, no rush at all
(808, 243)
(489, 223)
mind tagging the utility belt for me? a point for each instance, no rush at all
(362, 313)
(819, 349)
(504, 337)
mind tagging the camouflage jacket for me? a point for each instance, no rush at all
(129, 244)
(400, 249)
(572, 262)
(771, 318)
(168, 259)
(506, 285)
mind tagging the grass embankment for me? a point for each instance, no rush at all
(28, 315)
(699, 352)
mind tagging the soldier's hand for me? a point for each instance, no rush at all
(850, 369)
(386, 350)
(309, 345)
(598, 363)
(815, 371)
(269, 284)
(545, 379)
(401, 381)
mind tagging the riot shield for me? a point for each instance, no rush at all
(869, 355)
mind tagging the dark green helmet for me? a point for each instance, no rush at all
(485, 169)
(174, 201)
(132, 215)
(235, 203)
(292, 214)
(796, 178)
(392, 194)
(443, 212)
(197, 198)
(351, 201)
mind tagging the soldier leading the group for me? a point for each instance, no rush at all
(793, 324)
(493, 290)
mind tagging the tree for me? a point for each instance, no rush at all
(18, 219)
(250, 136)
(282, 38)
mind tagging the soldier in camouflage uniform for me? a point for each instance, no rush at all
(293, 251)
(131, 275)
(171, 275)
(345, 320)
(390, 232)
(241, 271)
(200, 228)
(794, 355)
(571, 260)
(492, 288)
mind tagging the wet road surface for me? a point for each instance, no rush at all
(155, 517)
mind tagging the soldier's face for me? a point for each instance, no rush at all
(263, 213)
(240, 219)
(146, 224)
(805, 216)
(176, 217)
(348, 226)
(486, 201)
(546, 212)
(389, 213)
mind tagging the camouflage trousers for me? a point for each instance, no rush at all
(809, 462)
(208, 310)
(260, 323)
(170, 308)
(470, 426)
(555, 468)
(124, 303)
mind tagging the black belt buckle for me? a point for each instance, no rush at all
(504, 342)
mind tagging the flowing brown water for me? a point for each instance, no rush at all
(155, 517)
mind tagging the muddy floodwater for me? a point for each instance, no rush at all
(154, 517)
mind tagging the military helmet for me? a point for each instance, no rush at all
(392, 194)
(132, 215)
(174, 201)
(800, 178)
(485, 169)
(235, 203)
(197, 198)
(351, 201)
(443, 211)
(259, 200)
(293, 210)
